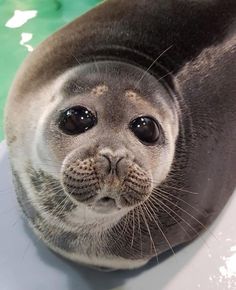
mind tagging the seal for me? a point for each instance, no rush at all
(121, 129)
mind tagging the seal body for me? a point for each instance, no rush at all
(121, 129)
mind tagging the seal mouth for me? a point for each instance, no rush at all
(105, 205)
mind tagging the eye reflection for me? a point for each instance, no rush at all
(76, 120)
(146, 129)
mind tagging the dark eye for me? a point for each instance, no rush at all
(146, 129)
(76, 120)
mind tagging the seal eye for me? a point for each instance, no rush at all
(76, 120)
(146, 129)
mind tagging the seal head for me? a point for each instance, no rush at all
(115, 124)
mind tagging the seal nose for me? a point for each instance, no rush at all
(112, 166)
(112, 162)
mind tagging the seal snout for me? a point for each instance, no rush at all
(113, 162)
(112, 167)
(107, 182)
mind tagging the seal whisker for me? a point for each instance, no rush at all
(48, 160)
(155, 183)
(157, 190)
(159, 205)
(124, 230)
(158, 225)
(157, 201)
(149, 232)
(190, 215)
(140, 233)
(76, 59)
(165, 75)
(53, 166)
(42, 162)
(51, 186)
(51, 192)
(115, 230)
(150, 217)
(152, 64)
(48, 163)
(59, 207)
(64, 206)
(133, 226)
(181, 189)
(120, 231)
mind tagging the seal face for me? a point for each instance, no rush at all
(113, 130)
(116, 156)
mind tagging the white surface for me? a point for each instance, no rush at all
(26, 264)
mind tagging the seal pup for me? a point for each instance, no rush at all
(121, 129)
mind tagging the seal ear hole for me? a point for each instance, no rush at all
(146, 129)
(76, 120)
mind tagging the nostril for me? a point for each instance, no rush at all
(109, 161)
(112, 162)
(121, 158)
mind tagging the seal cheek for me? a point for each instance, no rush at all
(80, 180)
(137, 186)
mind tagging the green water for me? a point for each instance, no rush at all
(17, 38)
